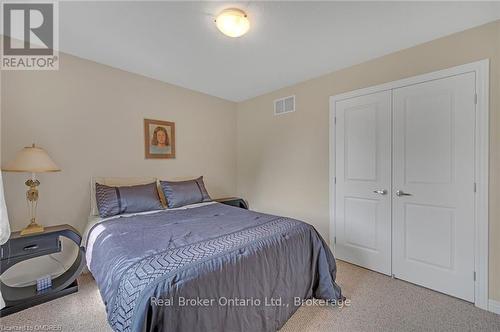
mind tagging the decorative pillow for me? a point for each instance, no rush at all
(112, 201)
(180, 193)
(119, 182)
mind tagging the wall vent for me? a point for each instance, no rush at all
(284, 105)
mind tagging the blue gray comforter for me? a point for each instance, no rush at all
(211, 268)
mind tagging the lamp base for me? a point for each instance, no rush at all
(32, 228)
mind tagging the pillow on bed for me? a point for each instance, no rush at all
(128, 199)
(180, 193)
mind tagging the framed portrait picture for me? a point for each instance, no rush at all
(159, 137)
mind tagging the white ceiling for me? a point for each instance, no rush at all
(288, 42)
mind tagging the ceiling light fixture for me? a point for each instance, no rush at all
(232, 22)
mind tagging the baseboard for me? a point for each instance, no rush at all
(494, 306)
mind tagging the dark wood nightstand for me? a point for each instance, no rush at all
(233, 201)
(20, 248)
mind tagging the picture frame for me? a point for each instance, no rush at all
(159, 139)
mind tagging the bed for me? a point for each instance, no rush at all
(208, 267)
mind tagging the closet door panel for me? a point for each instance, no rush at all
(363, 181)
(433, 184)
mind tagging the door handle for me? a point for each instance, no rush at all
(402, 193)
(381, 191)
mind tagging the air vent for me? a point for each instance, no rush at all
(284, 105)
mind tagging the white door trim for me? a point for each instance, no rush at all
(481, 236)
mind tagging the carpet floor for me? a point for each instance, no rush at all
(379, 303)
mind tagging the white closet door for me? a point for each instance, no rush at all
(363, 181)
(433, 161)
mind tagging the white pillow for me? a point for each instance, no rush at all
(114, 182)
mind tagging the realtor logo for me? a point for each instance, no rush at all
(30, 36)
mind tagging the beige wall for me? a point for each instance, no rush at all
(283, 160)
(89, 117)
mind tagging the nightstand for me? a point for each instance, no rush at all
(20, 248)
(233, 201)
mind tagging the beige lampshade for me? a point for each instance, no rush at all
(31, 160)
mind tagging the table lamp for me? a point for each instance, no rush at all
(32, 160)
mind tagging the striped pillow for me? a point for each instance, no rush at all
(113, 201)
(180, 193)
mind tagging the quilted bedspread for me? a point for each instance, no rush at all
(210, 268)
